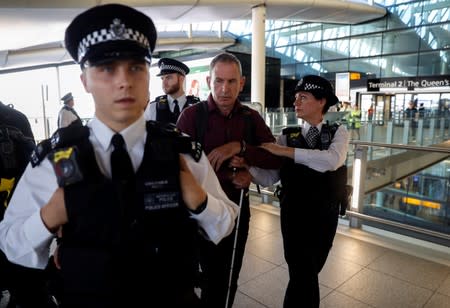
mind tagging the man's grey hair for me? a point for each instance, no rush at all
(225, 57)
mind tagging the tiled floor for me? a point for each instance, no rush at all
(363, 270)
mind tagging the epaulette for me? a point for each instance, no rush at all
(185, 143)
(162, 129)
(161, 99)
(189, 146)
(63, 137)
(40, 152)
(291, 130)
(196, 150)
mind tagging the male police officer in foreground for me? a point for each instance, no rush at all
(128, 234)
(167, 108)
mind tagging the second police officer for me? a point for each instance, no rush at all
(167, 108)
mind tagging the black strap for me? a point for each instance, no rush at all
(201, 121)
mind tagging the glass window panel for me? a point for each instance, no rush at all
(366, 28)
(308, 33)
(405, 15)
(335, 49)
(400, 41)
(35, 93)
(435, 11)
(70, 82)
(304, 69)
(308, 52)
(366, 65)
(434, 63)
(335, 66)
(364, 46)
(435, 37)
(398, 65)
(333, 30)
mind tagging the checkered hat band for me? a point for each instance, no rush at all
(172, 68)
(104, 35)
(311, 86)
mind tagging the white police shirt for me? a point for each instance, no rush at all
(319, 160)
(23, 236)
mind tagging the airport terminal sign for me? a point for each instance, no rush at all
(408, 82)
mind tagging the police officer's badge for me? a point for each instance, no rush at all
(117, 29)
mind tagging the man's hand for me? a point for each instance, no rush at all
(241, 179)
(193, 193)
(220, 154)
(238, 162)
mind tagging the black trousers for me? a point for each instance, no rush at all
(307, 238)
(215, 261)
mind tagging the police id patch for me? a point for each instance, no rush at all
(161, 201)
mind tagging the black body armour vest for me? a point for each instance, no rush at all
(299, 181)
(127, 245)
(163, 113)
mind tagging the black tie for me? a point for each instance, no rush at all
(176, 109)
(121, 167)
(311, 136)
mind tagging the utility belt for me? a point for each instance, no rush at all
(344, 201)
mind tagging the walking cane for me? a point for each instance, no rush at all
(234, 247)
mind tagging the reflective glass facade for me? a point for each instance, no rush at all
(412, 40)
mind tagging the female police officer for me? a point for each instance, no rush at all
(312, 185)
(127, 237)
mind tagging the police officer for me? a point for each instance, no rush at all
(314, 156)
(67, 114)
(167, 108)
(128, 209)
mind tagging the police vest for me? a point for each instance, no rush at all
(299, 182)
(163, 113)
(134, 250)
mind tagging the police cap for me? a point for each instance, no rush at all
(109, 32)
(67, 98)
(317, 85)
(170, 66)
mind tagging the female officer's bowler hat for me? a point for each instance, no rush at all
(109, 32)
(317, 85)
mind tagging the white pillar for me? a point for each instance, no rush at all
(258, 55)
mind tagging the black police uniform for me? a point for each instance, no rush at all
(314, 235)
(307, 243)
(163, 113)
(119, 230)
(116, 233)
